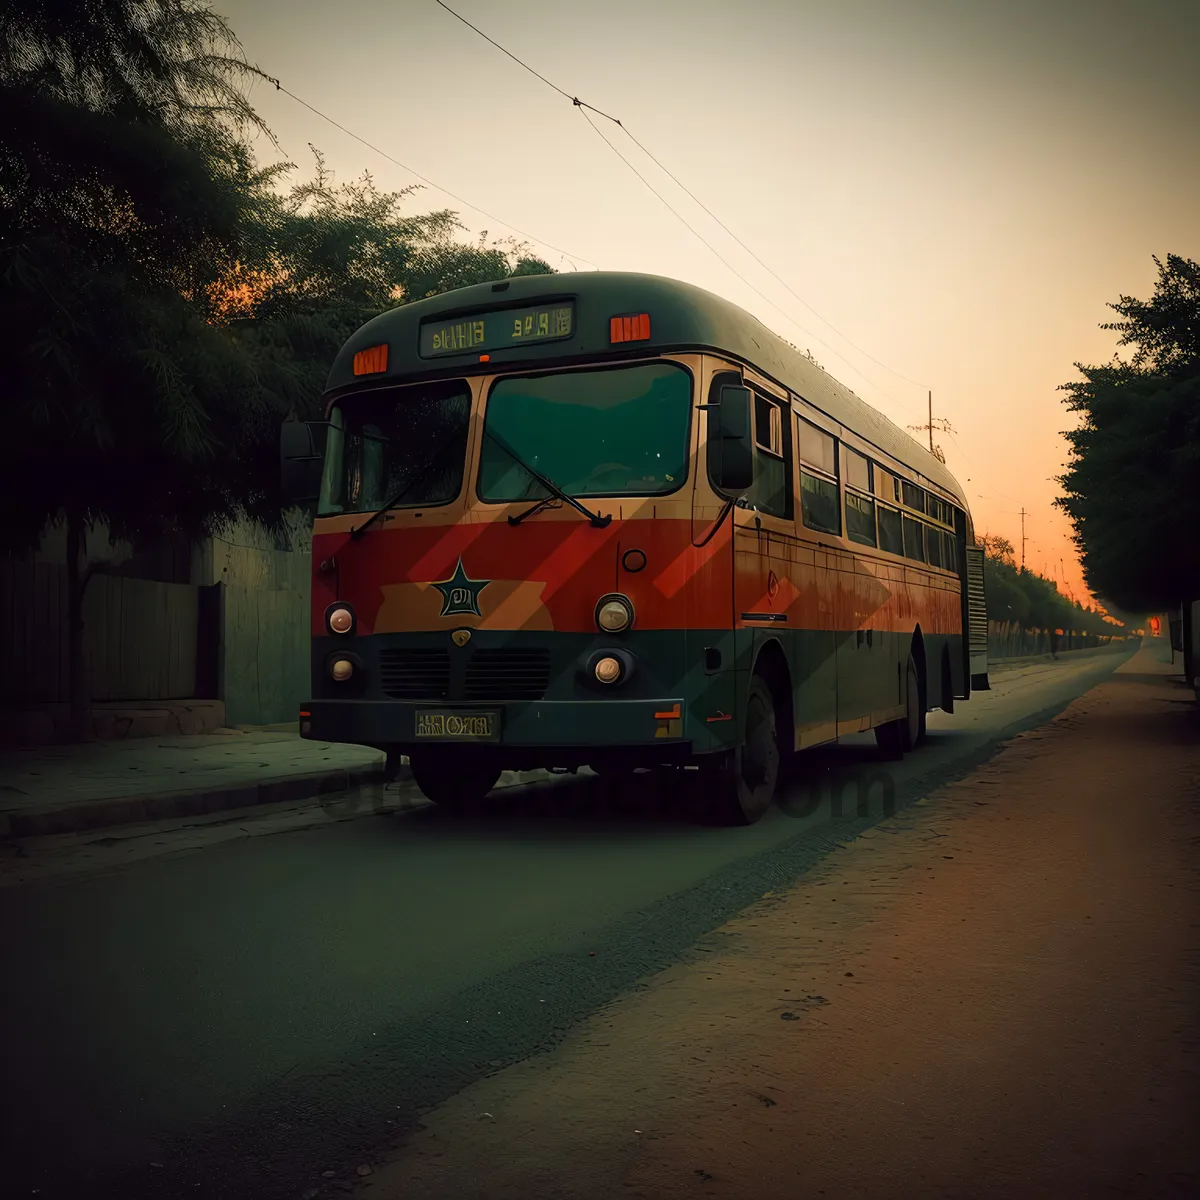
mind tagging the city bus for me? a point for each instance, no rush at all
(610, 520)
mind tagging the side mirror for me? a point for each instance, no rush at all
(734, 457)
(302, 459)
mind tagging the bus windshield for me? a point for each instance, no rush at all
(406, 442)
(621, 431)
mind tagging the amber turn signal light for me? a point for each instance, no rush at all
(629, 329)
(372, 361)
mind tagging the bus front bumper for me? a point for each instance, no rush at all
(405, 725)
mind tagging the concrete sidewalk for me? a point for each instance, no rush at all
(74, 788)
(66, 789)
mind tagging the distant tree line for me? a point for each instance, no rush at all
(1030, 600)
(167, 301)
(1132, 486)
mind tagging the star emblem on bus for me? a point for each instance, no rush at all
(460, 594)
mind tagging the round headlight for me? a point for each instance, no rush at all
(342, 670)
(608, 670)
(341, 620)
(614, 615)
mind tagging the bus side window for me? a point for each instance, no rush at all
(860, 519)
(933, 546)
(949, 552)
(857, 473)
(771, 492)
(914, 540)
(820, 502)
(891, 530)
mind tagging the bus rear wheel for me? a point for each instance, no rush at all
(740, 790)
(458, 783)
(898, 737)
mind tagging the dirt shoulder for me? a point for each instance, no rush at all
(992, 994)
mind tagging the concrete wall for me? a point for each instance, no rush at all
(265, 622)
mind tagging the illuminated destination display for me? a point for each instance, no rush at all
(495, 330)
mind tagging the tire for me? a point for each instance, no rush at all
(460, 786)
(740, 790)
(898, 737)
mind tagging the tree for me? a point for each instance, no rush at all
(317, 261)
(1032, 601)
(165, 305)
(1132, 487)
(115, 192)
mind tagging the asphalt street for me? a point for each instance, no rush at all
(231, 1016)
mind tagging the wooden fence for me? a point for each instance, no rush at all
(140, 637)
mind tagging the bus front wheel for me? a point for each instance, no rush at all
(459, 784)
(897, 737)
(741, 788)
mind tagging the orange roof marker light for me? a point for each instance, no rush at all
(372, 361)
(629, 329)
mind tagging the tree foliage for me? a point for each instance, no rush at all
(1132, 487)
(167, 301)
(1030, 600)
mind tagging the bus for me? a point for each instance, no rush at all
(610, 520)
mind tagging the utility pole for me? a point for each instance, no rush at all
(941, 425)
(1022, 537)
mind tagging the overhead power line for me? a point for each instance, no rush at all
(683, 187)
(437, 186)
(691, 228)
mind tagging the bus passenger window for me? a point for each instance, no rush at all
(949, 552)
(858, 471)
(860, 519)
(819, 503)
(891, 530)
(772, 464)
(933, 546)
(914, 497)
(914, 540)
(816, 448)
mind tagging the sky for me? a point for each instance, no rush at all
(951, 191)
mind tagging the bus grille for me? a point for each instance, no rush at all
(415, 674)
(507, 674)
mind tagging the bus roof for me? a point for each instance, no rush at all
(682, 318)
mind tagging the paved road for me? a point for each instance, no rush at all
(234, 1018)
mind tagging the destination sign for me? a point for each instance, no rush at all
(494, 330)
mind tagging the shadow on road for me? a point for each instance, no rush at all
(850, 778)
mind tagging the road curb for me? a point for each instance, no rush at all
(325, 786)
(132, 810)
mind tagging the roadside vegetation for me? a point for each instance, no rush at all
(1132, 487)
(168, 300)
(1031, 601)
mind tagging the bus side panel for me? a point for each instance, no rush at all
(786, 593)
(867, 651)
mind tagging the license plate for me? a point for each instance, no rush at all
(452, 726)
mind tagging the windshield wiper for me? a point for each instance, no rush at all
(555, 491)
(540, 506)
(359, 530)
